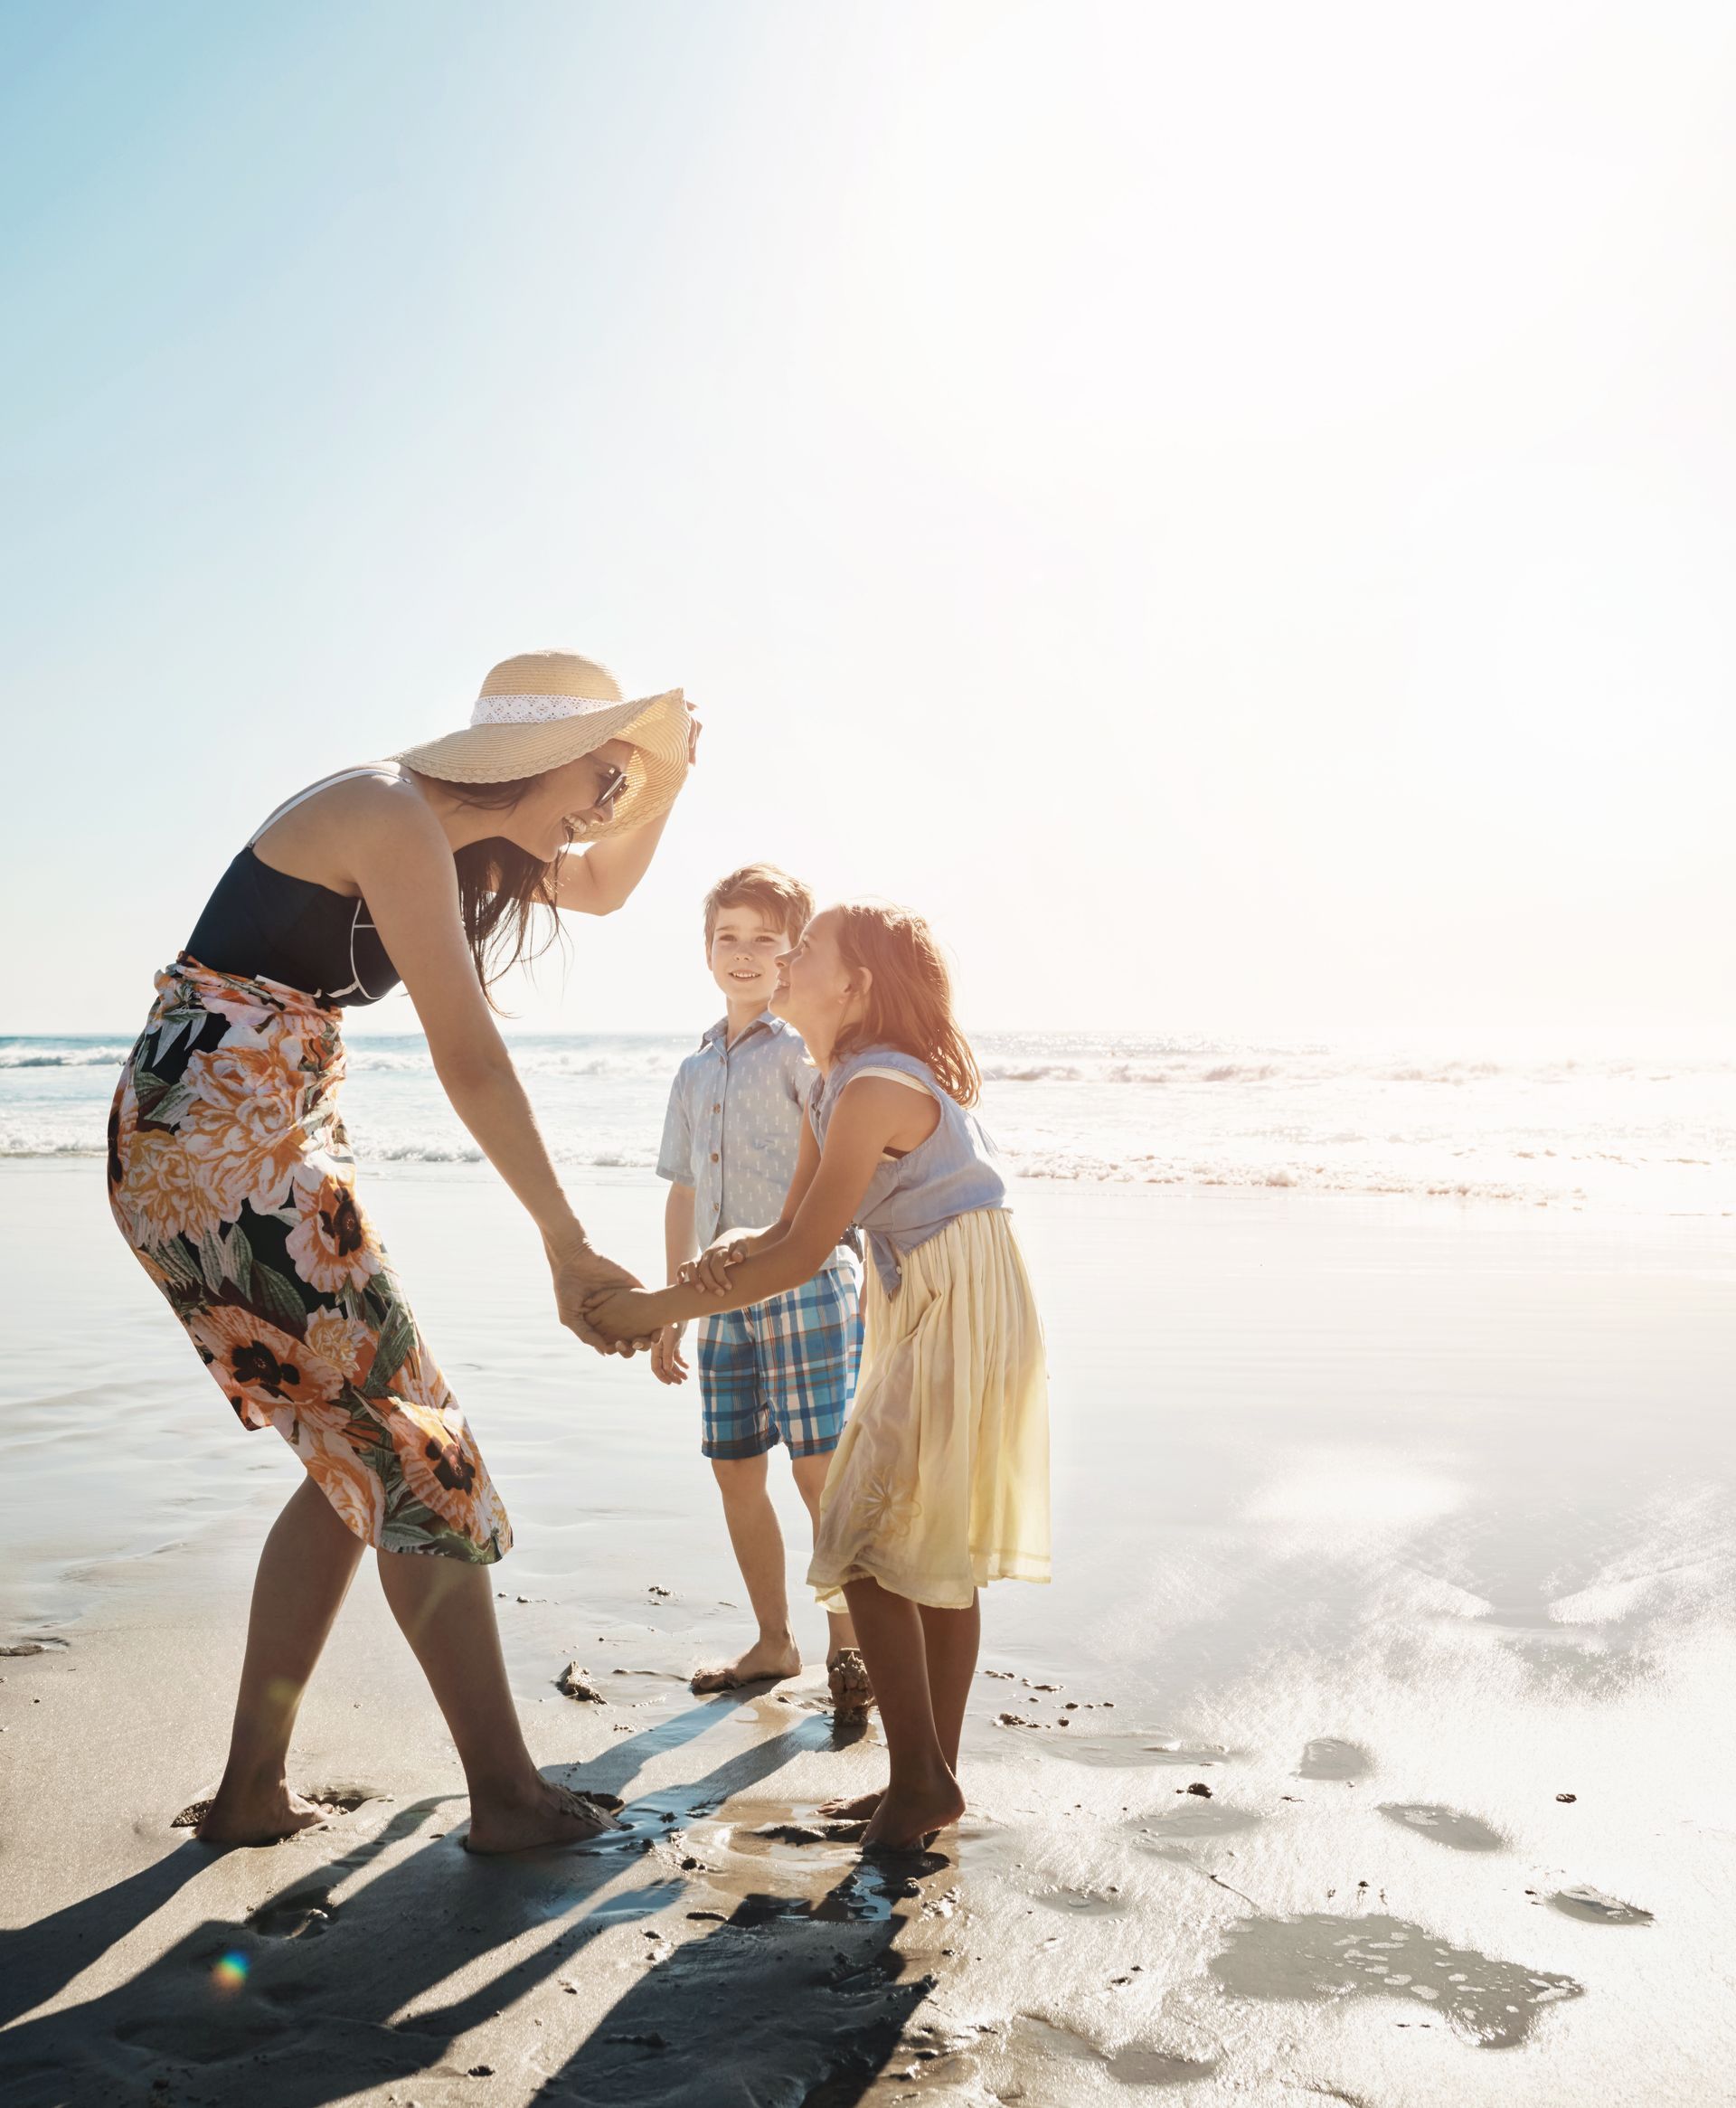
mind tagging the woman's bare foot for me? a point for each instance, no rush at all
(846, 1678)
(553, 1815)
(860, 1809)
(907, 1817)
(766, 1661)
(261, 1819)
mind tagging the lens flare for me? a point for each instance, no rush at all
(230, 1972)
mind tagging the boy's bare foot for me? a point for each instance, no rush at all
(766, 1661)
(846, 1678)
(907, 1818)
(555, 1815)
(264, 1819)
(860, 1809)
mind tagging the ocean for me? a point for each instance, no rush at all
(1503, 1118)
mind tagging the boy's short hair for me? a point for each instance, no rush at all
(780, 898)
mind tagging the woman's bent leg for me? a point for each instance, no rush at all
(921, 1793)
(304, 1573)
(446, 1609)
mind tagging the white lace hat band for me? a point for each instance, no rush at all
(537, 709)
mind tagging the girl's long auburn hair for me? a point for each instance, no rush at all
(909, 995)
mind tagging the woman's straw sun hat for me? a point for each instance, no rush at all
(545, 708)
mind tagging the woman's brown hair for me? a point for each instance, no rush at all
(502, 889)
(910, 995)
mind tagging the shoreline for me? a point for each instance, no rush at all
(1385, 1523)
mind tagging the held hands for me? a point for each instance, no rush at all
(710, 1272)
(623, 1317)
(582, 1276)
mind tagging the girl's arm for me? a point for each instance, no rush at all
(873, 1116)
(402, 864)
(711, 1271)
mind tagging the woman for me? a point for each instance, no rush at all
(231, 1177)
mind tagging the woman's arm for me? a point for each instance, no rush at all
(403, 866)
(598, 880)
(873, 1116)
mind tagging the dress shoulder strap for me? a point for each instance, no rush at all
(388, 770)
(902, 1076)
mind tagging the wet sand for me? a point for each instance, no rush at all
(1386, 1759)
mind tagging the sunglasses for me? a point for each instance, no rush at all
(612, 785)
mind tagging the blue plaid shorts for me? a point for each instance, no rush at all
(782, 1370)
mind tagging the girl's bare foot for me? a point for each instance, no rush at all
(262, 1818)
(909, 1816)
(552, 1815)
(860, 1809)
(766, 1661)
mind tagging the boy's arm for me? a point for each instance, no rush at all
(678, 1243)
(667, 1363)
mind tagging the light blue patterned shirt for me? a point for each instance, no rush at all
(734, 1126)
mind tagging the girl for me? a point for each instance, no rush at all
(231, 1177)
(940, 1481)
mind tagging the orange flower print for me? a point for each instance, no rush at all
(251, 1194)
(435, 1454)
(260, 1368)
(354, 1491)
(123, 1123)
(332, 1245)
(162, 1194)
(243, 1132)
(345, 1343)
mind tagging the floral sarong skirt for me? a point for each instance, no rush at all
(231, 1177)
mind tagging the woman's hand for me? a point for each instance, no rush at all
(625, 1318)
(695, 727)
(667, 1363)
(581, 1276)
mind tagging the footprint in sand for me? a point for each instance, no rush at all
(1595, 1908)
(301, 1913)
(1327, 1757)
(1083, 1903)
(341, 1799)
(1130, 1749)
(1446, 1826)
(1135, 2064)
(1173, 1834)
(1489, 2002)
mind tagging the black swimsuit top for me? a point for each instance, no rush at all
(265, 925)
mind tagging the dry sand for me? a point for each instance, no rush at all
(1381, 1529)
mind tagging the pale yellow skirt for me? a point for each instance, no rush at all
(940, 1480)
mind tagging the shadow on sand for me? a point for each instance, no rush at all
(336, 1983)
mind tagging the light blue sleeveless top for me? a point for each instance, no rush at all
(913, 1198)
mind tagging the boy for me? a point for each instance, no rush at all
(785, 1369)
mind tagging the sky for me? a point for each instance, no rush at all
(1228, 511)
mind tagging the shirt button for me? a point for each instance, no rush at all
(717, 1109)
(714, 1156)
